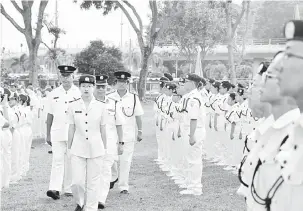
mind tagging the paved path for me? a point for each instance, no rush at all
(151, 189)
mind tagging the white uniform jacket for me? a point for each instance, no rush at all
(87, 142)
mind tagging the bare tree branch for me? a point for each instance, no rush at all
(136, 14)
(239, 18)
(46, 45)
(10, 19)
(131, 21)
(42, 7)
(153, 6)
(17, 6)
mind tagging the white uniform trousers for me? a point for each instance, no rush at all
(16, 169)
(125, 161)
(6, 145)
(178, 154)
(194, 160)
(61, 176)
(28, 145)
(158, 136)
(106, 174)
(86, 171)
(184, 146)
(115, 172)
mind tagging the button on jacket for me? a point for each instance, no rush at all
(58, 101)
(87, 142)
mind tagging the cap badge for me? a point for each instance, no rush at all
(101, 77)
(87, 79)
(122, 76)
(65, 68)
(290, 30)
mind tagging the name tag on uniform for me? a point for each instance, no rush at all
(56, 98)
(78, 112)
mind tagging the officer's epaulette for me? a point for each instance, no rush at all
(100, 101)
(134, 93)
(112, 98)
(74, 100)
(110, 92)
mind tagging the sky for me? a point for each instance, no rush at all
(81, 26)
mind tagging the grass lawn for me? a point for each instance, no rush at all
(150, 189)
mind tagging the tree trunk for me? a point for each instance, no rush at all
(143, 75)
(33, 73)
(231, 62)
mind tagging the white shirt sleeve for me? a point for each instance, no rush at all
(138, 108)
(48, 104)
(70, 115)
(2, 121)
(103, 116)
(193, 108)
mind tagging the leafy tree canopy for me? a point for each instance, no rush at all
(271, 17)
(99, 58)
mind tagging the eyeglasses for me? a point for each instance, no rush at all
(267, 76)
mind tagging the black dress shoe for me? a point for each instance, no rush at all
(124, 192)
(78, 208)
(101, 206)
(53, 194)
(112, 184)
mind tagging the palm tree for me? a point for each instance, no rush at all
(22, 62)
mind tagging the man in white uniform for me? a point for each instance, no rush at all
(132, 110)
(57, 132)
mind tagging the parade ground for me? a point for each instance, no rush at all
(150, 188)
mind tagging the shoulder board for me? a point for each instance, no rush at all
(100, 101)
(133, 93)
(74, 100)
(56, 98)
(110, 92)
(112, 99)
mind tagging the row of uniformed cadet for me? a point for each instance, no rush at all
(15, 135)
(271, 172)
(180, 128)
(74, 118)
(226, 118)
